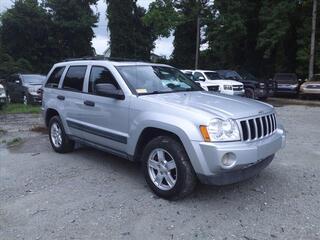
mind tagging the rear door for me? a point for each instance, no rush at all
(70, 96)
(106, 121)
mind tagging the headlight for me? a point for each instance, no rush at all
(33, 91)
(261, 85)
(220, 130)
(227, 87)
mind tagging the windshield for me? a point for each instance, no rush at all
(231, 75)
(213, 75)
(286, 78)
(156, 79)
(33, 79)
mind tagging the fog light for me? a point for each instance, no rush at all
(229, 160)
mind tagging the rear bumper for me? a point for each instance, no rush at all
(251, 158)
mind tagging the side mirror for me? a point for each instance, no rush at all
(201, 79)
(109, 90)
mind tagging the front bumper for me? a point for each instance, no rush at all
(35, 99)
(3, 100)
(261, 93)
(251, 158)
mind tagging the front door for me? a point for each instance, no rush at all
(106, 121)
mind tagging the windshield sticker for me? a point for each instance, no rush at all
(141, 90)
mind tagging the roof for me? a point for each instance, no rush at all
(114, 63)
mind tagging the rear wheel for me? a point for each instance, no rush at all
(167, 168)
(60, 142)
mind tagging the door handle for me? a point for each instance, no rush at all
(89, 103)
(60, 97)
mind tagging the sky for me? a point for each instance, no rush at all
(163, 46)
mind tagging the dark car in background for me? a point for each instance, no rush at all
(287, 84)
(24, 88)
(253, 88)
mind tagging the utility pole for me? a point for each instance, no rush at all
(313, 39)
(198, 42)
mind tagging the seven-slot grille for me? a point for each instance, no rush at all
(237, 87)
(257, 128)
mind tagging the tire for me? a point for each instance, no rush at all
(60, 144)
(183, 176)
(249, 93)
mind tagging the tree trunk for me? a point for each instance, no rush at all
(313, 39)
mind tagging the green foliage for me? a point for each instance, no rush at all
(72, 27)
(162, 17)
(33, 37)
(130, 37)
(20, 108)
(24, 34)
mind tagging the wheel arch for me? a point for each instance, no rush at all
(147, 135)
(50, 113)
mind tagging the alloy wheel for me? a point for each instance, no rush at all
(56, 135)
(162, 169)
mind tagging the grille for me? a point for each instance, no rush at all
(213, 88)
(237, 87)
(257, 128)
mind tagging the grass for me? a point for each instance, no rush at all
(14, 142)
(20, 108)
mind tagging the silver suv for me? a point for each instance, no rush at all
(155, 115)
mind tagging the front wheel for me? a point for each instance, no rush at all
(60, 142)
(249, 93)
(167, 168)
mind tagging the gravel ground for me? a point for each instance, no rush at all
(89, 194)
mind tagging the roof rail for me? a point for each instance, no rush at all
(116, 59)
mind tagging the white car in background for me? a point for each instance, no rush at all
(212, 81)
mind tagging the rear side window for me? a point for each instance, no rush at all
(74, 78)
(100, 75)
(54, 78)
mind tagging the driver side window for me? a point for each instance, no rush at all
(100, 75)
(198, 76)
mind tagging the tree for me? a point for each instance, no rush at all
(72, 31)
(24, 34)
(129, 36)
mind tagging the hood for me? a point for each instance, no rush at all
(33, 86)
(218, 105)
(311, 83)
(223, 82)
